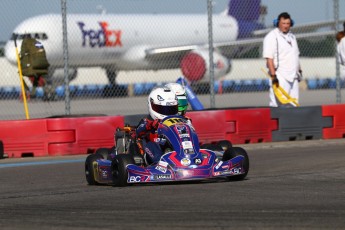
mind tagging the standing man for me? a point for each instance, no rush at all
(341, 51)
(281, 52)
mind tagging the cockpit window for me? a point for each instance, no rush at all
(40, 36)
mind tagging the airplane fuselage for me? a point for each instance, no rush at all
(120, 41)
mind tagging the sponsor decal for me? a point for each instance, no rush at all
(148, 151)
(236, 170)
(222, 173)
(134, 179)
(216, 173)
(104, 173)
(163, 163)
(162, 166)
(182, 130)
(161, 169)
(233, 171)
(173, 121)
(187, 145)
(185, 162)
(188, 151)
(102, 37)
(225, 166)
(218, 165)
(197, 161)
(171, 103)
(162, 177)
(160, 140)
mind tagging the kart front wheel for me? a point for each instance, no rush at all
(233, 152)
(89, 168)
(119, 169)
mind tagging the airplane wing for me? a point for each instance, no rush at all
(301, 28)
(173, 55)
(231, 49)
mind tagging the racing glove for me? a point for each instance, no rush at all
(275, 80)
(155, 124)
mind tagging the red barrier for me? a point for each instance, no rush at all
(91, 133)
(24, 138)
(337, 112)
(58, 136)
(252, 125)
(211, 126)
(240, 126)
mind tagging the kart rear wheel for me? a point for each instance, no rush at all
(89, 168)
(225, 144)
(119, 169)
(104, 152)
(213, 147)
(233, 152)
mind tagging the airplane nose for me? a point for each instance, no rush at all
(10, 52)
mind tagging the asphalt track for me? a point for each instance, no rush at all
(291, 185)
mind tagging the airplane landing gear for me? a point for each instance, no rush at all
(113, 89)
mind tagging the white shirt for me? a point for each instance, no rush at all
(341, 51)
(283, 49)
(341, 56)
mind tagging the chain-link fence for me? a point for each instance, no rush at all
(115, 60)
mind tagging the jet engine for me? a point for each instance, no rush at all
(58, 76)
(195, 65)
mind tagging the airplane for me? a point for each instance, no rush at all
(143, 42)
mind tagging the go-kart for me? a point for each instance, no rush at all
(182, 158)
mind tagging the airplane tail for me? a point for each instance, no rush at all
(247, 13)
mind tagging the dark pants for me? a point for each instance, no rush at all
(153, 152)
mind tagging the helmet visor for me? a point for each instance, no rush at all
(165, 109)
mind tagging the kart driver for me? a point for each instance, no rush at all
(182, 100)
(162, 102)
(181, 95)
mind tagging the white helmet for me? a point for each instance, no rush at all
(162, 102)
(180, 92)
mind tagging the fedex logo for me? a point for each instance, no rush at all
(104, 37)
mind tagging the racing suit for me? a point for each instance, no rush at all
(146, 130)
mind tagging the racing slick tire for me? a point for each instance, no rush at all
(104, 152)
(119, 169)
(213, 147)
(89, 170)
(225, 144)
(1, 150)
(233, 152)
